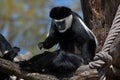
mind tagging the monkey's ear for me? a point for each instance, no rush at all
(60, 12)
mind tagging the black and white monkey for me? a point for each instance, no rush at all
(77, 45)
(9, 53)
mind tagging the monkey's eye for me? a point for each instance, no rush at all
(60, 23)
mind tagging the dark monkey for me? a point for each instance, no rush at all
(77, 45)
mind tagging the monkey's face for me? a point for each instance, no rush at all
(60, 25)
(63, 24)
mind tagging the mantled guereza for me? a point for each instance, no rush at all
(77, 45)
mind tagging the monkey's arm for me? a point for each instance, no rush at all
(4, 44)
(11, 54)
(8, 52)
(51, 39)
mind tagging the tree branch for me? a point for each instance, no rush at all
(11, 68)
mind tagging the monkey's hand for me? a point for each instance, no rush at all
(11, 54)
(41, 45)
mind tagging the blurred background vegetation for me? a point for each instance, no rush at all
(24, 23)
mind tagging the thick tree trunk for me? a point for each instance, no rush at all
(98, 15)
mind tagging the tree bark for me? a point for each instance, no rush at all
(98, 16)
(11, 68)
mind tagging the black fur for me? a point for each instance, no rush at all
(77, 46)
(4, 44)
(12, 52)
(60, 12)
(61, 64)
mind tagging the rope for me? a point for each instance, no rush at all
(103, 59)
